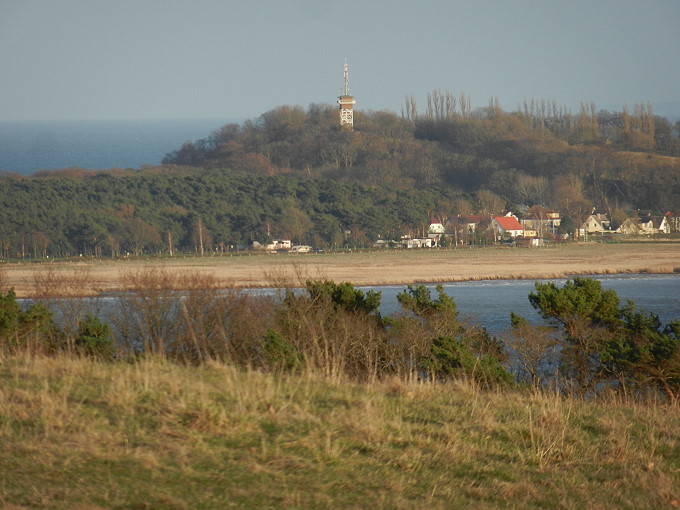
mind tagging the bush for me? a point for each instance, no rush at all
(31, 329)
(278, 353)
(449, 348)
(602, 345)
(95, 339)
(344, 295)
(338, 331)
(452, 357)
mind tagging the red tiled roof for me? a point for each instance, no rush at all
(508, 222)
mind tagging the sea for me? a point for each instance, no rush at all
(27, 147)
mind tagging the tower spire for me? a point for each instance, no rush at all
(346, 102)
(346, 77)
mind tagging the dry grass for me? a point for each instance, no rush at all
(377, 268)
(79, 434)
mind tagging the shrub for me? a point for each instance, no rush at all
(30, 329)
(452, 357)
(604, 346)
(278, 353)
(94, 338)
(448, 348)
(10, 311)
(344, 295)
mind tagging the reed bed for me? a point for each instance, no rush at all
(374, 268)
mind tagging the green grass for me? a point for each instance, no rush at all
(76, 433)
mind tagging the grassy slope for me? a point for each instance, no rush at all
(75, 433)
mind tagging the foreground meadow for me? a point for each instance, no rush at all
(76, 433)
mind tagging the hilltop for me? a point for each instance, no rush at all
(541, 155)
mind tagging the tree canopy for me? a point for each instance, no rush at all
(627, 158)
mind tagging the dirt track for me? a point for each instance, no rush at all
(375, 268)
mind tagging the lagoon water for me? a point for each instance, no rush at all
(489, 303)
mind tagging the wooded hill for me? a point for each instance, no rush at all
(542, 155)
(294, 173)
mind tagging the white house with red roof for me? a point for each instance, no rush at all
(507, 225)
(436, 228)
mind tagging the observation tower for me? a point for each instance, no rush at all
(346, 102)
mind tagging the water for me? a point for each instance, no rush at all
(29, 146)
(489, 303)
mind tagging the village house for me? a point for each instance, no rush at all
(506, 226)
(595, 224)
(436, 229)
(661, 225)
(673, 222)
(407, 241)
(279, 244)
(631, 226)
(554, 220)
(530, 232)
(418, 242)
(655, 225)
(472, 222)
(645, 226)
(542, 222)
(301, 248)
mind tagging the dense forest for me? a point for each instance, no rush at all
(294, 173)
(149, 212)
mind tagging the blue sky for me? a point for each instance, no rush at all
(144, 59)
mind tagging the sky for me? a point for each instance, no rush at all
(172, 59)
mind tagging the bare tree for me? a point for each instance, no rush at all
(568, 194)
(489, 202)
(200, 237)
(533, 347)
(464, 103)
(494, 110)
(411, 110)
(440, 105)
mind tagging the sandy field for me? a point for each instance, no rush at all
(89, 277)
